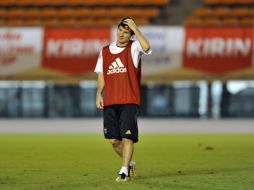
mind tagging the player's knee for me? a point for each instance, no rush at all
(125, 140)
(114, 142)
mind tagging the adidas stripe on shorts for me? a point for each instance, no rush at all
(120, 121)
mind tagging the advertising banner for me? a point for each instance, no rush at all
(167, 47)
(20, 49)
(218, 50)
(178, 53)
(73, 51)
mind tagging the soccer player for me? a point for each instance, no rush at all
(118, 93)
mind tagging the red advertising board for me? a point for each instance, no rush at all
(218, 50)
(74, 51)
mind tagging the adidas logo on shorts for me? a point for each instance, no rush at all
(128, 132)
(116, 67)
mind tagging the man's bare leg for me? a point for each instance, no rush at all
(124, 149)
(117, 146)
(127, 151)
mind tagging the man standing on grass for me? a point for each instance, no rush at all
(119, 76)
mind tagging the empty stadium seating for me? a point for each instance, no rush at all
(77, 12)
(223, 13)
(228, 2)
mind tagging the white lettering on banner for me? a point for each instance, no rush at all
(73, 47)
(218, 47)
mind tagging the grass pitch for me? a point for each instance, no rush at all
(168, 161)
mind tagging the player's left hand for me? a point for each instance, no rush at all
(130, 22)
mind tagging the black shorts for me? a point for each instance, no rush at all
(120, 121)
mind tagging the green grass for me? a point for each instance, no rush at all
(168, 161)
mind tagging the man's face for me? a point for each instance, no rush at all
(123, 35)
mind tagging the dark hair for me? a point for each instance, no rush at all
(125, 25)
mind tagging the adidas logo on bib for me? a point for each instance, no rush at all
(116, 67)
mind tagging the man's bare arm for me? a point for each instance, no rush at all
(140, 37)
(99, 98)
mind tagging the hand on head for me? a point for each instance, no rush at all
(131, 23)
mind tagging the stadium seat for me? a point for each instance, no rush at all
(15, 13)
(145, 12)
(211, 22)
(120, 12)
(141, 2)
(246, 2)
(142, 21)
(222, 12)
(90, 2)
(212, 2)
(48, 12)
(23, 2)
(133, 2)
(40, 2)
(135, 12)
(69, 22)
(229, 2)
(240, 11)
(3, 13)
(124, 2)
(149, 12)
(86, 22)
(32, 22)
(32, 12)
(81, 12)
(56, 3)
(192, 22)
(251, 12)
(51, 22)
(65, 12)
(116, 12)
(105, 22)
(230, 22)
(159, 2)
(237, 2)
(2, 22)
(246, 22)
(99, 12)
(108, 2)
(73, 2)
(7, 2)
(14, 22)
(203, 12)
